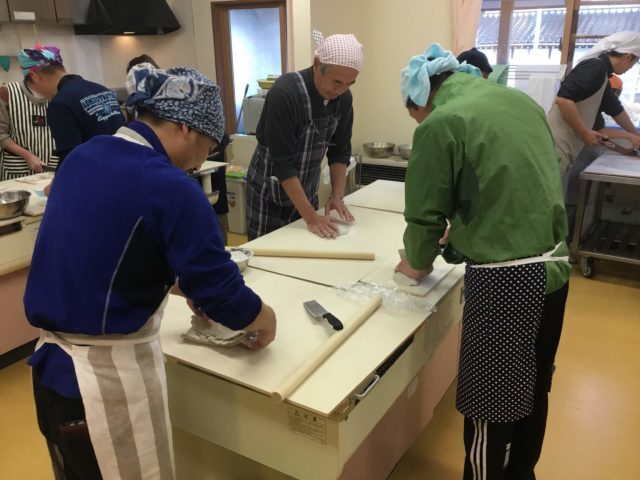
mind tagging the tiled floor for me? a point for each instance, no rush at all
(594, 420)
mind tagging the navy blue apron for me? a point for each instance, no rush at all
(268, 206)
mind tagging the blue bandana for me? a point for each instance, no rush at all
(434, 61)
(181, 95)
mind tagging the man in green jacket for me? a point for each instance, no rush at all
(483, 158)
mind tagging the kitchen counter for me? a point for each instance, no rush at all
(377, 390)
(16, 247)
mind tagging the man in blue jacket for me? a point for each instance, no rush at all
(78, 109)
(123, 223)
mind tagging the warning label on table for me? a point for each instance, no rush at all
(308, 424)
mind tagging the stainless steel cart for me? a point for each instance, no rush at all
(605, 238)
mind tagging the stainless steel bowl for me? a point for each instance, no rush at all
(13, 203)
(378, 149)
(240, 256)
(404, 151)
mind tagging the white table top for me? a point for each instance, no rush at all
(298, 336)
(209, 166)
(614, 164)
(374, 231)
(284, 283)
(379, 195)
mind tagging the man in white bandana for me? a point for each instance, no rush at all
(306, 115)
(582, 95)
(586, 91)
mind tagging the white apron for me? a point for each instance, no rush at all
(123, 387)
(568, 142)
(545, 257)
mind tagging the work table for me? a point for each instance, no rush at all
(398, 363)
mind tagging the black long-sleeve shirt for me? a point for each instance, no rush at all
(284, 116)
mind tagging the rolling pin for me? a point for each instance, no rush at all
(298, 377)
(343, 255)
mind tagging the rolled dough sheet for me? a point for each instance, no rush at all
(384, 275)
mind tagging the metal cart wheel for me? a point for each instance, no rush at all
(586, 265)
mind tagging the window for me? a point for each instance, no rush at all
(529, 36)
(250, 45)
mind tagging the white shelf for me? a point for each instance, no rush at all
(390, 161)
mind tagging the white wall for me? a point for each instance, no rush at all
(103, 59)
(391, 33)
(172, 49)
(81, 54)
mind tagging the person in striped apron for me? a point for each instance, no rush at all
(106, 256)
(483, 158)
(306, 115)
(26, 144)
(78, 109)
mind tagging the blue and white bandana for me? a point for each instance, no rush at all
(181, 95)
(434, 61)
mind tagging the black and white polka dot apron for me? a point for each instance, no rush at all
(502, 313)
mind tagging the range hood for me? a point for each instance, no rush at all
(123, 17)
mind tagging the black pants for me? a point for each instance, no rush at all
(62, 422)
(510, 451)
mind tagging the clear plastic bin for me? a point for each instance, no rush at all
(237, 197)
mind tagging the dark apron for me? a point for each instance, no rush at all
(268, 206)
(502, 314)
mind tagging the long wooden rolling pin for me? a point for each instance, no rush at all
(343, 255)
(290, 385)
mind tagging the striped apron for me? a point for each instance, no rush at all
(30, 130)
(568, 142)
(123, 387)
(503, 309)
(268, 206)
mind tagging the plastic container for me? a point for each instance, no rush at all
(237, 198)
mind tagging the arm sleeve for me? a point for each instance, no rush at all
(195, 250)
(610, 103)
(339, 150)
(64, 128)
(583, 81)
(280, 118)
(429, 192)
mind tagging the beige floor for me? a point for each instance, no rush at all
(594, 424)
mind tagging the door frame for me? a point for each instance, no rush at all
(222, 48)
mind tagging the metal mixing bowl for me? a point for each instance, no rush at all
(241, 258)
(378, 149)
(13, 203)
(404, 151)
